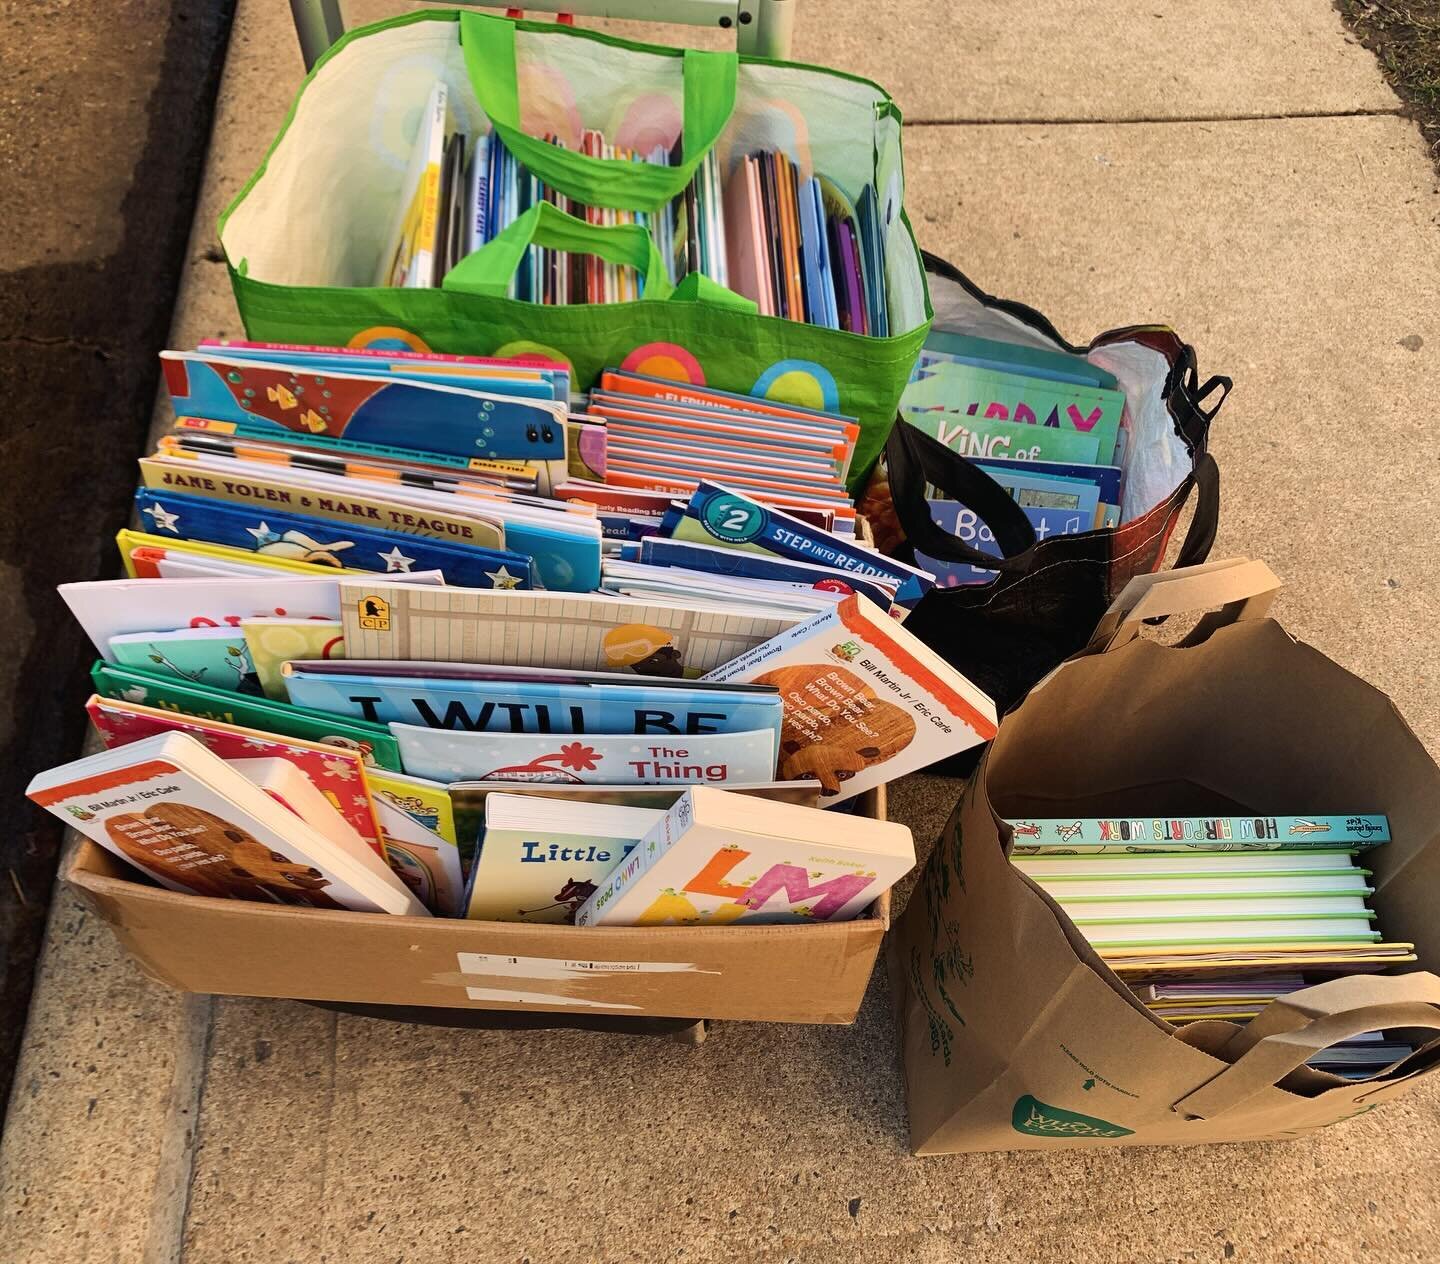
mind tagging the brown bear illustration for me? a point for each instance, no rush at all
(214, 857)
(834, 725)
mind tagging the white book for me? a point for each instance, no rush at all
(291, 788)
(408, 258)
(185, 818)
(1197, 864)
(109, 607)
(717, 858)
(865, 700)
(449, 755)
(1213, 932)
(541, 858)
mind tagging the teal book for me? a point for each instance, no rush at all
(1011, 357)
(217, 657)
(153, 688)
(1091, 836)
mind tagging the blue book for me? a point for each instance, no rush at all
(1105, 477)
(530, 700)
(961, 522)
(654, 550)
(273, 400)
(564, 561)
(812, 234)
(718, 515)
(1011, 357)
(266, 532)
(539, 382)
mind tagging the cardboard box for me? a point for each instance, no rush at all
(791, 974)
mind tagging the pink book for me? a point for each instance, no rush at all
(744, 244)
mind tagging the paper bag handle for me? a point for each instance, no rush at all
(708, 85)
(1244, 589)
(1293, 1029)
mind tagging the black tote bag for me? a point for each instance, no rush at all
(1048, 595)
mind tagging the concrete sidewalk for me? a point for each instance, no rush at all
(1237, 171)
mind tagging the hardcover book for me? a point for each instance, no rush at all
(417, 826)
(372, 742)
(865, 701)
(462, 697)
(717, 858)
(183, 817)
(274, 642)
(337, 772)
(217, 657)
(591, 760)
(583, 631)
(541, 858)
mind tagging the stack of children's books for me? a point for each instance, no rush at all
(1046, 425)
(1214, 917)
(789, 239)
(370, 590)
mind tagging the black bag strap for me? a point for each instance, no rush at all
(913, 460)
(1200, 538)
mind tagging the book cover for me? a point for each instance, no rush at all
(274, 399)
(723, 515)
(711, 559)
(183, 817)
(330, 544)
(211, 656)
(108, 607)
(466, 698)
(409, 257)
(1012, 357)
(541, 858)
(717, 858)
(372, 742)
(337, 772)
(350, 501)
(274, 642)
(865, 701)
(445, 755)
(582, 631)
(147, 556)
(961, 522)
(1052, 836)
(417, 827)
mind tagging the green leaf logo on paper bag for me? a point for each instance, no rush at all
(1036, 1119)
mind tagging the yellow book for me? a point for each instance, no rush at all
(146, 556)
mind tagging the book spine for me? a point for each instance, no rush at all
(1096, 837)
(600, 907)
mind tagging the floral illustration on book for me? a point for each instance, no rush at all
(552, 768)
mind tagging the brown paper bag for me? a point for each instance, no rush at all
(1015, 1035)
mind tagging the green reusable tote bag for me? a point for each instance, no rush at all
(304, 236)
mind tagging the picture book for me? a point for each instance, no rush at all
(319, 541)
(1105, 477)
(952, 516)
(716, 514)
(1179, 834)
(417, 826)
(275, 641)
(212, 656)
(339, 773)
(153, 688)
(282, 400)
(147, 556)
(1028, 404)
(445, 755)
(541, 858)
(980, 437)
(314, 495)
(1083, 891)
(1126, 862)
(187, 820)
(717, 859)
(466, 698)
(291, 788)
(408, 258)
(587, 632)
(108, 607)
(865, 701)
(1013, 357)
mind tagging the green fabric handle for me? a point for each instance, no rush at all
(488, 271)
(709, 100)
(696, 287)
